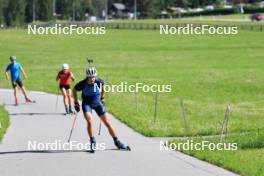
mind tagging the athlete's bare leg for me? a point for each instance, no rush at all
(108, 124)
(16, 95)
(89, 118)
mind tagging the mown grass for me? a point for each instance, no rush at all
(211, 20)
(4, 122)
(247, 160)
(208, 72)
(237, 20)
(232, 16)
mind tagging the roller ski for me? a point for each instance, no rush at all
(121, 146)
(30, 101)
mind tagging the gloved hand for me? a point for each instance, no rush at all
(77, 106)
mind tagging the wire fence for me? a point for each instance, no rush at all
(150, 26)
(167, 115)
(156, 26)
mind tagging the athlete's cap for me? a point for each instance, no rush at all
(12, 58)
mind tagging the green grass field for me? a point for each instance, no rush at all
(247, 160)
(241, 21)
(232, 16)
(4, 122)
(230, 20)
(207, 72)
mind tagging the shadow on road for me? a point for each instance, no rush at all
(35, 113)
(9, 104)
(54, 151)
(45, 151)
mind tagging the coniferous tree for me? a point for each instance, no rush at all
(44, 10)
(17, 12)
(29, 11)
(14, 12)
(1, 12)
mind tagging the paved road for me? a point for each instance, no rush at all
(40, 123)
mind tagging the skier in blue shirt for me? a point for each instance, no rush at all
(15, 69)
(93, 90)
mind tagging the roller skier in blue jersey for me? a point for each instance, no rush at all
(15, 69)
(93, 90)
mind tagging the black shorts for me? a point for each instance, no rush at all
(17, 82)
(66, 87)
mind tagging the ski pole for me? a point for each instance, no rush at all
(73, 125)
(89, 61)
(57, 100)
(100, 126)
(5, 87)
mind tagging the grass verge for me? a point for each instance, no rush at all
(247, 160)
(4, 122)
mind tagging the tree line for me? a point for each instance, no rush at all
(19, 12)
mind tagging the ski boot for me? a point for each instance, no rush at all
(28, 100)
(67, 110)
(16, 103)
(70, 110)
(92, 144)
(121, 146)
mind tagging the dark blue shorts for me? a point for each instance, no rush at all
(99, 108)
